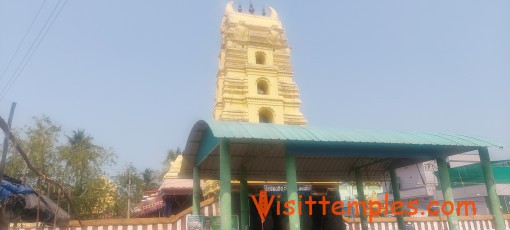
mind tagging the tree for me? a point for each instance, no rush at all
(77, 164)
(14, 164)
(82, 163)
(41, 143)
(171, 155)
(122, 180)
(150, 179)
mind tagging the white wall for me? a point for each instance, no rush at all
(464, 159)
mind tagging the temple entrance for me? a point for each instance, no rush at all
(277, 220)
(253, 153)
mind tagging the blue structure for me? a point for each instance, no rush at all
(21, 202)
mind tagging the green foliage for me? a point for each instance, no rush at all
(78, 164)
(128, 176)
(14, 165)
(150, 179)
(171, 155)
(83, 162)
(41, 143)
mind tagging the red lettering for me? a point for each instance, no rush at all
(337, 205)
(466, 205)
(357, 207)
(386, 204)
(374, 212)
(448, 211)
(396, 207)
(324, 202)
(278, 205)
(310, 204)
(429, 208)
(262, 205)
(300, 205)
(412, 205)
(290, 208)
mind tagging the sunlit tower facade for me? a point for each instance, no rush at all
(255, 77)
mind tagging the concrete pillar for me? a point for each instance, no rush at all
(490, 185)
(196, 191)
(225, 186)
(396, 197)
(361, 198)
(292, 194)
(245, 202)
(444, 179)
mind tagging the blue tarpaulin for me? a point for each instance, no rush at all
(26, 205)
(7, 188)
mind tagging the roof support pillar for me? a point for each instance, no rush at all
(225, 186)
(292, 194)
(490, 185)
(196, 191)
(396, 197)
(245, 202)
(444, 179)
(361, 198)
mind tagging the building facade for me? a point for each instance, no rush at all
(255, 78)
(419, 182)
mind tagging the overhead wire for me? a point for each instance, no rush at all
(30, 52)
(22, 41)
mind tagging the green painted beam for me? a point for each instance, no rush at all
(196, 191)
(361, 198)
(245, 202)
(396, 197)
(446, 187)
(208, 143)
(292, 194)
(225, 186)
(490, 185)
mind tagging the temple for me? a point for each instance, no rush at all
(255, 78)
(259, 145)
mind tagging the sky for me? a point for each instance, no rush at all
(136, 75)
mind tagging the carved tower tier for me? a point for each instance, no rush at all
(255, 78)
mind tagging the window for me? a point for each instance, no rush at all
(262, 87)
(265, 115)
(260, 58)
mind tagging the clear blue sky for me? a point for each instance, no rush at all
(136, 75)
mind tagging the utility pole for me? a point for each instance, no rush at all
(6, 142)
(129, 195)
(25, 170)
(58, 199)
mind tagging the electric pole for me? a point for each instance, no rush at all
(129, 195)
(6, 142)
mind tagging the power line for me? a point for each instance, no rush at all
(28, 51)
(22, 41)
(23, 63)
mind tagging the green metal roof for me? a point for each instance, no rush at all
(262, 131)
(322, 152)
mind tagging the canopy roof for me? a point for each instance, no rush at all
(321, 153)
(172, 186)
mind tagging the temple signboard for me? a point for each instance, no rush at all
(194, 222)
